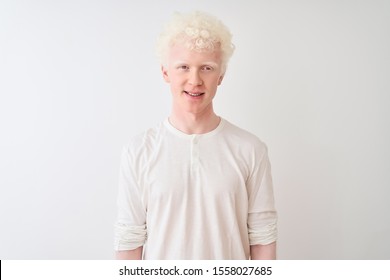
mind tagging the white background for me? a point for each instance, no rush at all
(78, 78)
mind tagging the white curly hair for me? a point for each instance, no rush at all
(198, 31)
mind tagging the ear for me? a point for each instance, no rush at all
(220, 79)
(164, 72)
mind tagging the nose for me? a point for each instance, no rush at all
(195, 79)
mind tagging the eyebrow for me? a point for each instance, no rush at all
(211, 63)
(178, 63)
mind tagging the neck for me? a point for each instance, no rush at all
(190, 123)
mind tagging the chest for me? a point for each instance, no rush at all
(196, 169)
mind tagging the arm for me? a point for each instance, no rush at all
(130, 227)
(135, 254)
(262, 215)
(263, 252)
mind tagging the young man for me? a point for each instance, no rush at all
(195, 186)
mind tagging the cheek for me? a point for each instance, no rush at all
(176, 85)
(215, 82)
(177, 80)
(216, 79)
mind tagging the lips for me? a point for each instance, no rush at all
(194, 94)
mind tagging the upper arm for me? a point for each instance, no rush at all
(262, 215)
(130, 229)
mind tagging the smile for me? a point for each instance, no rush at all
(194, 94)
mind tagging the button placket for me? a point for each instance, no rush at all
(195, 151)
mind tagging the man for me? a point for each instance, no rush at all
(195, 186)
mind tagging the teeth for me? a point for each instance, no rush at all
(194, 94)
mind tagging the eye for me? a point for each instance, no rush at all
(207, 68)
(183, 67)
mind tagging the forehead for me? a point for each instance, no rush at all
(179, 52)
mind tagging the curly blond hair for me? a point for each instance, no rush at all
(198, 31)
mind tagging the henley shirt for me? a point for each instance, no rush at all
(200, 196)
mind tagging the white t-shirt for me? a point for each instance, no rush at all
(200, 196)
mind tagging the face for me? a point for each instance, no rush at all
(193, 78)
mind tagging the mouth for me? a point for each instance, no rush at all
(193, 94)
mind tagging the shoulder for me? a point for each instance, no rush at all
(145, 141)
(243, 138)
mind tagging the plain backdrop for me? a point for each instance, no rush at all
(78, 78)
